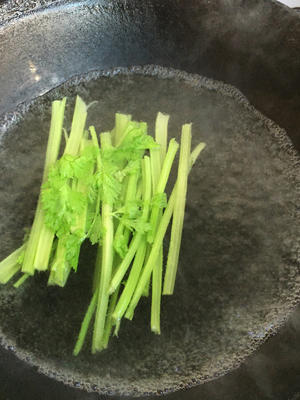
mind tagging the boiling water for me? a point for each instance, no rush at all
(238, 272)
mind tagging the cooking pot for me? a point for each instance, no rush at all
(252, 45)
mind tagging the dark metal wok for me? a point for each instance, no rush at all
(253, 45)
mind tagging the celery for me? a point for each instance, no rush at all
(113, 195)
(38, 230)
(85, 324)
(161, 137)
(146, 290)
(156, 293)
(97, 269)
(161, 184)
(21, 280)
(157, 243)
(46, 236)
(77, 128)
(107, 261)
(109, 320)
(131, 282)
(161, 133)
(154, 253)
(179, 207)
(10, 265)
(121, 122)
(122, 233)
(136, 240)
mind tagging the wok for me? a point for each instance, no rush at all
(252, 45)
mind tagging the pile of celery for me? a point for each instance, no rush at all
(110, 190)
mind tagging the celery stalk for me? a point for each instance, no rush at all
(107, 262)
(60, 268)
(85, 324)
(155, 161)
(154, 253)
(124, 265)
(160, 233)
(96, 144)
(131, 283)
(46, 236)
(156, 293)
(77, 128)
(111, 307)
(61, 265)
(21, 280)
(122, 231)
(147, 286)
(38, 229)
(109, 320)
(121, 122)
(179, 207)
(97, 269)
(161, 133)
(136, 240)
(10, 266)
(161, 184)
(161, 137)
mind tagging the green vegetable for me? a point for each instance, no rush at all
(39, 231)
(179, 207)
(114, 195)
(160, 200)
(11, 265)
(85, 324)
(108, 199)
(137, 239)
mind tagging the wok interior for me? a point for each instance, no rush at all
(236, 279)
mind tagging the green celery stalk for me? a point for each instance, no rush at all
(131, 283)
(109, 320)
(147, 286)
(107, 262)
(43, 251)
(77, 128)
(156, 293)
(179, 208)
(137, 238)
(38, 229)
(161, 137)
(75, 144)
(85, 324)
(122, 231)
(97, 269)
(124, 265)
(21, 280)
(82, 187)
(139, 190)
(161, 231)
(112, 304)
(121, 122)
(154, 253)
(195, 154)
(60, 268)
(99, 164)
(10, 266)
(155, 162)
(161, 133)
(161, 184)
(46, 236)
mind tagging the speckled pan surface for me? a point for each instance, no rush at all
(238, 276)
